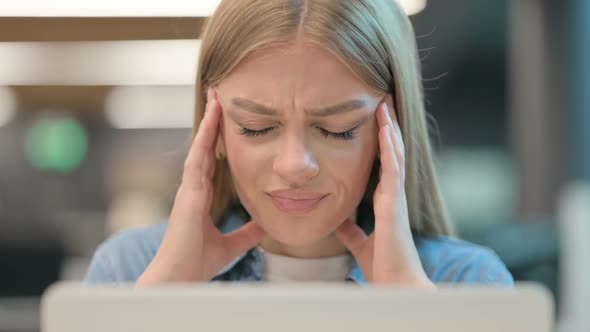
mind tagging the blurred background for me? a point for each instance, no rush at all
(96, 105)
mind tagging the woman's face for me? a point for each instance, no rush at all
(296, 119)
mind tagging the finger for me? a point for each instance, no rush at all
(389, 165)
(243, 239)
(201, 156)
(400, 150)
(352, 237)
(212, 156)
(214, 109)
(390, 119)
(386, 117)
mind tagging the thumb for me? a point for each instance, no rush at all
(352, 236)
(243, 239)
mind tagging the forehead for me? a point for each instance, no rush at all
(298, 73)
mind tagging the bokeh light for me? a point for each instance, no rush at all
(56, 145)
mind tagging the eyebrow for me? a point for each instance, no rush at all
(349, 106)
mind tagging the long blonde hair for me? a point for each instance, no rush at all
(374, 38)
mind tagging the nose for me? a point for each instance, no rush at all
(295, 163)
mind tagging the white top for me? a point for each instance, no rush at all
(279, 268)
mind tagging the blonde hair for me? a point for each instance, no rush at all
(374, 38)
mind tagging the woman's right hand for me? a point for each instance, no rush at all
(193, 249)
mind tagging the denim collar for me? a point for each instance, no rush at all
(249, 266)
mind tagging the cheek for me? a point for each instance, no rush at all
(246, 162)
(350, 168)
(240, 159)
(355, 155)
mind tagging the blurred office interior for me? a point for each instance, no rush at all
(96, 115)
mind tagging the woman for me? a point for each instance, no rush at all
(310, 160)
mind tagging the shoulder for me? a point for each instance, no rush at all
(124, 256)
(451, 260)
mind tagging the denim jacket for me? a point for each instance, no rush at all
(123, 257)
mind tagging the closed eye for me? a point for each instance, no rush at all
(252, 133)
(345, 135)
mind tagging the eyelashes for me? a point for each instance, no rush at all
(253, 133)
(346, 135)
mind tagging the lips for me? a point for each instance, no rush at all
(296, 201)
(297, 194)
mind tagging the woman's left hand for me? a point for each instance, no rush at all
(389, 255)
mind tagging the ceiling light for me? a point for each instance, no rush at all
(7, 105)
(412, 7)
(149, 62)
(151, 107)
(108, 8)
(132, 8)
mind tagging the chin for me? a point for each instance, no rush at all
(297, 232)
(297, 229)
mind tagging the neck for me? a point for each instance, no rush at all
(328, 247)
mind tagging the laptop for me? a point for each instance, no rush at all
(243, 307)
